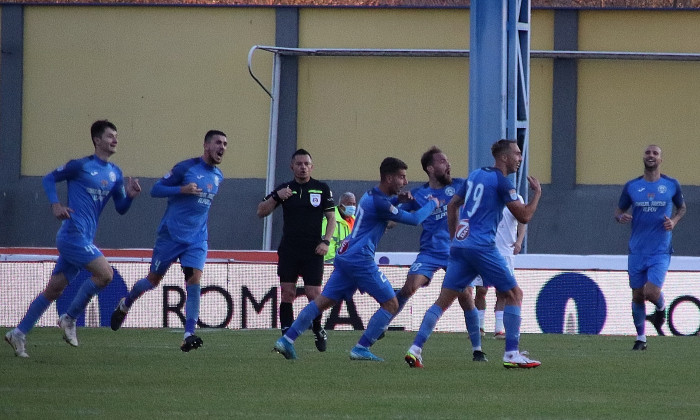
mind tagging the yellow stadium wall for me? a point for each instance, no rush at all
(163, 75)
(367, 108)
(625, 105)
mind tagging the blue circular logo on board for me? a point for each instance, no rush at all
(589, 300)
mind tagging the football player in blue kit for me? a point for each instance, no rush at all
(355, 268)
(473, 215)
(183, 233)
(91, 181)
(652, 197)
(435, 239)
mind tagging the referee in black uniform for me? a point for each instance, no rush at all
(304, 202)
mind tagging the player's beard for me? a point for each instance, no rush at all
(445, 179)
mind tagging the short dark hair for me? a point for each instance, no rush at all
(391, 166)
(98, 128)
(501, 146)
(427, 158)
(301, 152)
(211, 133)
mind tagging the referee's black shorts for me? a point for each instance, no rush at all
(300, 262)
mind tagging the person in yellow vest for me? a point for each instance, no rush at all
(344, 221)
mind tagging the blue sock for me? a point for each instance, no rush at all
(432, 316)
(375, 327)
(511, 322)
(36, 309)
(85, 293)
(303, 321)
(472, 320)
(192, 307)
(661, 303)
(142, 286)
(639, 315)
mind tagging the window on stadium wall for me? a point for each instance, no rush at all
(544, 4)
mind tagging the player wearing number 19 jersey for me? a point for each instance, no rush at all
(473, 251)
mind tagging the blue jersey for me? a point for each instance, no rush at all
(651, 201)
(374, 210)
(435, 238)
(91, 182)
(485, 193)
(186, 216)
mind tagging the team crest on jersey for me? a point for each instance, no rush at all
(450, 191)
(209, 187)
(662, 189)
(112, 176)
(315, 199)
(513, 194)
(462, 230)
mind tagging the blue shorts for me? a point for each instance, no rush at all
(347, 278)
(74, 253)
(466, 263)
(510, 261)
(427, 265)
(647, 268)
(167, 251)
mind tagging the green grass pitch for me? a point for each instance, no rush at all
(141, 373)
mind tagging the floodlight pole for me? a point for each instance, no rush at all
(499, 81)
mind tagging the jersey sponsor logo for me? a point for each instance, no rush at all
(168, 175)
(315, 199)
(216, 180)
(97, 194)
(60, 168)
(112, 176)
(393, 210)
(662, 189)
(449, 191)
(462, 230)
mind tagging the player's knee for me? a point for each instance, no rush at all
(102, 279)
(391, 306)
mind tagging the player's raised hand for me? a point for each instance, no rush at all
(534, 184)
(133, 188)
(190, 188)
(60, 211)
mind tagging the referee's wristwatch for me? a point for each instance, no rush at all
(326, 241)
